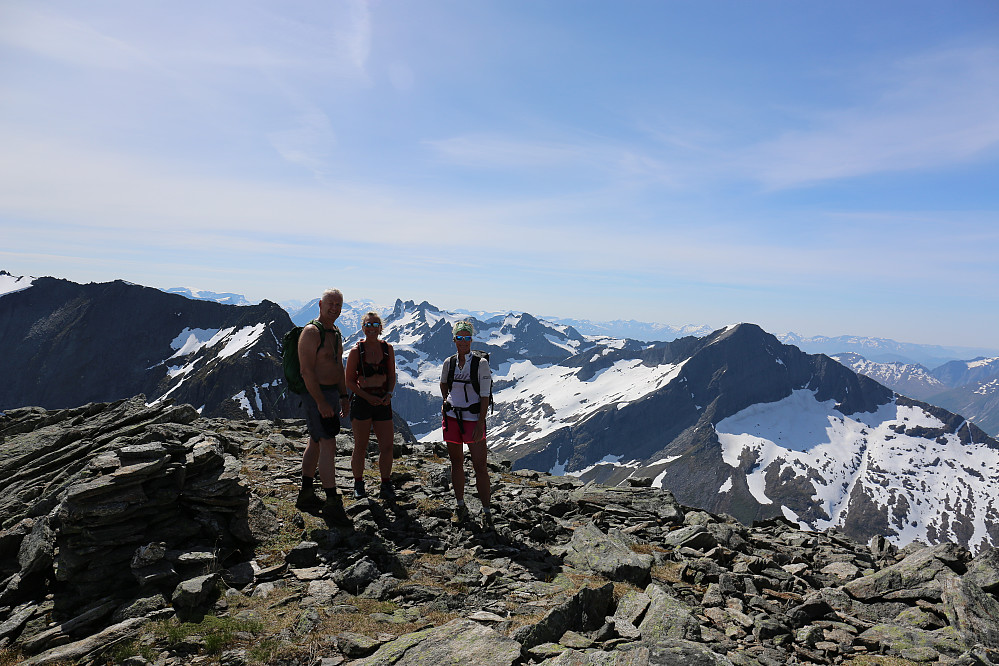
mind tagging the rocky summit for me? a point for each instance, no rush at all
(143, 534)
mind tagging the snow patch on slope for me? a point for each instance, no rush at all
(802, 434)
(11, 283)
(569, 399)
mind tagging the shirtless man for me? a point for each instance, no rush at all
(325, 402)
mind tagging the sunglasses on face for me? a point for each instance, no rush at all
(463, 338)
(372, 324)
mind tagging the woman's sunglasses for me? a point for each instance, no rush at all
(371, 324)
(462, 338)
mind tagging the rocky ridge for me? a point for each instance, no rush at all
(150, 535)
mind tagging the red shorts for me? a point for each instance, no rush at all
(458, 431)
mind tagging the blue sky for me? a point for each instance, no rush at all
(823, 167)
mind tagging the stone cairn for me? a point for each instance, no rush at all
(117, 515)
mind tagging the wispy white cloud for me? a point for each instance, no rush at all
(934, 111)
(100, 198)
(588, 157)
(493, 151)
(41, 31)
(308, 143)
(357, 33)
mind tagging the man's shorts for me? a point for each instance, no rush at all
(362, 410)
(458, 431)
(319, 427)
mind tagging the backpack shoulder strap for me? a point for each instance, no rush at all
(452, 362)
(360, 353)
(322, 332)
(474, 374)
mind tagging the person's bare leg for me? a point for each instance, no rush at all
(384, 433)
(307, 500)
(327, 463)
(456, 452)
(362, 429)
(478, 454)
(310, 459)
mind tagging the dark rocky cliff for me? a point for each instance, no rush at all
(64, 344)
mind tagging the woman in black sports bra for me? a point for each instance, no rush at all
(371, 378)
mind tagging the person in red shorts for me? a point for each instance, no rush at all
(464, 417)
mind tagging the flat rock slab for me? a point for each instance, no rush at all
(921, 570)
(461, 642)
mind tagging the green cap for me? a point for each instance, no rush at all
(463, 326)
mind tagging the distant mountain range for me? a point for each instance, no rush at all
(734, 421)
(199, 295)
(882, 350)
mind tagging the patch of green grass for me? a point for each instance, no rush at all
(121, 651)
(219, 632)
(264, 651)
(879, 660)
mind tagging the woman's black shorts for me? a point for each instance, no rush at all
(362, 410)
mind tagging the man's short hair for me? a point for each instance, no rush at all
(332, 292)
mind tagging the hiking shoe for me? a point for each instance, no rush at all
(387, 491)
(359, 491)
(487, 519)
(461, 513)
(307, 501)
(333, 511)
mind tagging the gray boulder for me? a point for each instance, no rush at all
(608, 554)
(459, 642)
(667, 618)
(917, 576)
(583, 611)
(971, 611)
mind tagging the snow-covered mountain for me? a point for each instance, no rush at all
(202, 295)
(970, 388)
(11, 283)
(975, 391)
(909, 379)
(421, 334)
(350, 317)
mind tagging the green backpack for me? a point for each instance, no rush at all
(289, 355)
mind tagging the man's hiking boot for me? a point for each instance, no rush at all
(333, 511)
(461, 513)
(387, 491)
(487, 519)
(359, 491)
(308, 501)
